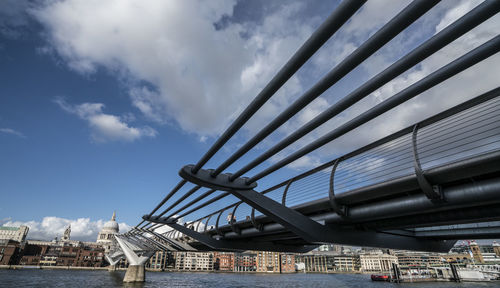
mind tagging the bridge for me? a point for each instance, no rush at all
(420, 188)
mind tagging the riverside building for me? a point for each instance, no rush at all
(194, 261)
(14, 233)
(457, 258)
(245, 262)
(325, 262)
(268, 262)
(377, 262)
(224, 261)
(161, 260)
(287, 263)
(410, 259)
(329, 261)
(484, 254)
(64, 252)
(496, 248)
(317, 262)
(10, 252)
(346, 263)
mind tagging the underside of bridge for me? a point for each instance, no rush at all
(420, 188)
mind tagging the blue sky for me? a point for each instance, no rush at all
(102, 102)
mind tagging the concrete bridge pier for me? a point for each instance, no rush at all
(137, 257)
(135, 273)
(113, 258)
(112, 268)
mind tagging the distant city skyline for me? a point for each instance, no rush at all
(102, 103)
(82, 229)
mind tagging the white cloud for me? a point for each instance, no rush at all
(147, 101)
(193, 68)
(12, 132)
(456, 12)
(305, 162)
(82, 229)
(106, 127)
(373, 15)
(199, 77)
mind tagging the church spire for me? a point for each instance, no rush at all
(113, 218)
(67, 232)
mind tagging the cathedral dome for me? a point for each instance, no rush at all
(107, 234)
(112, 225)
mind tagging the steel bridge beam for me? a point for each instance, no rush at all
(236, 245)
(457, 197)
(314, 232)
(410, 211)
(462, 231)
(158, 245)
(177, 245)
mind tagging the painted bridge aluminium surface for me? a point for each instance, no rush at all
(421, 188)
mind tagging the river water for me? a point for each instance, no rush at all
(72, 278)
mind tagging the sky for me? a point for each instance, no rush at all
(102, 102)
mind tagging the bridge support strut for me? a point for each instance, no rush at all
(136, 257)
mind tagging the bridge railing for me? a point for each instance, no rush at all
(463, 132)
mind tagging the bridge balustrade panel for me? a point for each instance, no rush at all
(310, 188)
(467, 134)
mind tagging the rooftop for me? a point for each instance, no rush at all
(9, 228)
